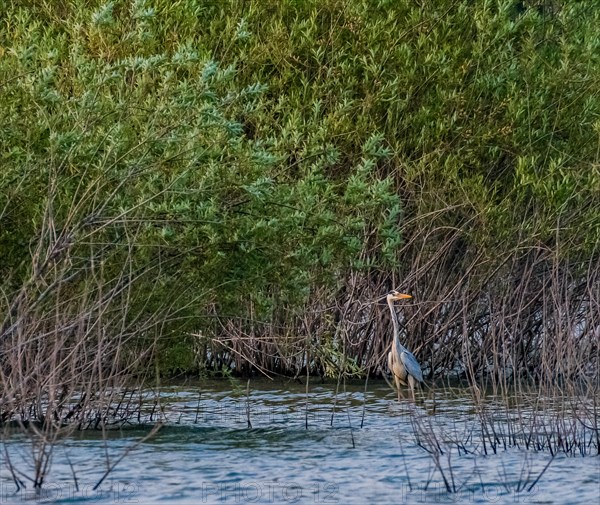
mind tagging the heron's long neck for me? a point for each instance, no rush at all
(396, 327)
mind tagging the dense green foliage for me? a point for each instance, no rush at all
(256, 158)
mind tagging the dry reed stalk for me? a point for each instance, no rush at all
(72, 341)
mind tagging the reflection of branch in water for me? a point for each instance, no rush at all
(110, 468)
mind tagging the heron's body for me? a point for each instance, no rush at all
(402, 364)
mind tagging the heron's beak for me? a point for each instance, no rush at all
(401, 296)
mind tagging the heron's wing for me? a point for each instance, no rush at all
(412, 365)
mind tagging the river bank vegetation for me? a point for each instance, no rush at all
(230, 187)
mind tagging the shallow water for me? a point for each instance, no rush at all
(353, 447)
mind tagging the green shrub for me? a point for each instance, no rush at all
(252, 157)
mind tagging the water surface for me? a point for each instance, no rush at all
(273, 443)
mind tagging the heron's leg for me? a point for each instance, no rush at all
(397, 380)
(411, 383)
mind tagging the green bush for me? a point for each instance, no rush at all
(253, 156)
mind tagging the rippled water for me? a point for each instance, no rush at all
(353, 447)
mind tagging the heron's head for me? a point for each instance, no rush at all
(396, 295)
